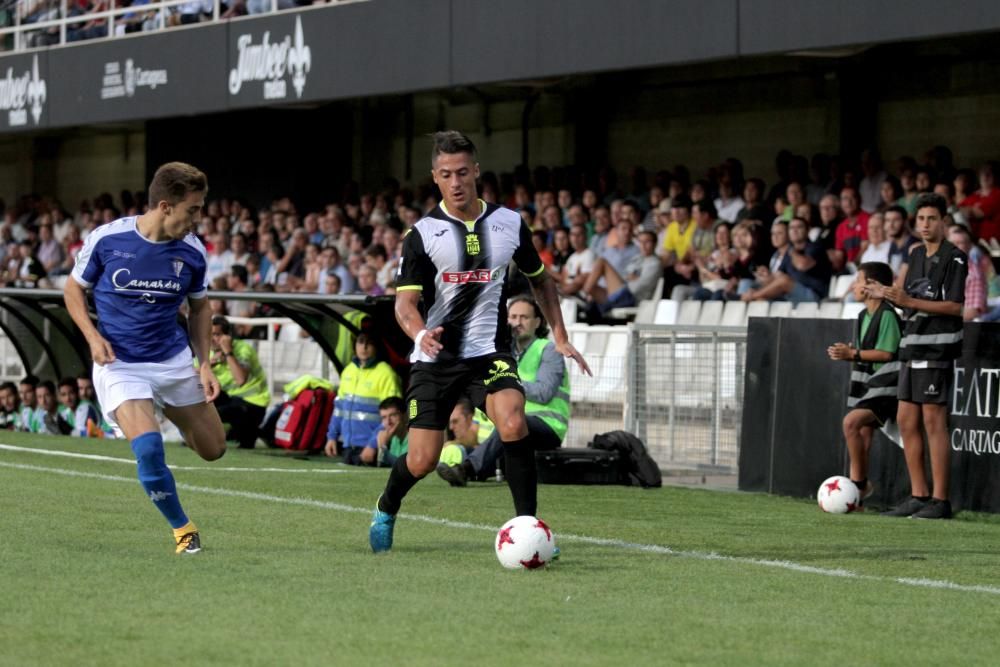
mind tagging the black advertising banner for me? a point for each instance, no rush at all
(25, 92)
(791, 425)
(352, 50)
(135, 77)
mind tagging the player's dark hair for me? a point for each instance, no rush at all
(451, 142)
(174, 181)
(47, 384)
(9, 386)
(221, 322)
(932, 200)
(85, 376)
(68, 382)
(880, 272)
(543, 327)
(393, 402)
(30, 380)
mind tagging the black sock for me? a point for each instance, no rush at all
(861, 484)
(522, 476)
(401, 480)
(922, 498)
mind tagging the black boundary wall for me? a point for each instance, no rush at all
(796, 398)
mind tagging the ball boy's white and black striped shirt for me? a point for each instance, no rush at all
(461, 268)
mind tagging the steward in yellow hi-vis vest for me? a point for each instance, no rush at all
(543, 375)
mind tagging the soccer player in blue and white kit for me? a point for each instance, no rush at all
(141, 269)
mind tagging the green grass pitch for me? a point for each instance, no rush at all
(647, 577)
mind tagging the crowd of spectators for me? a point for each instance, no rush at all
(139, 19)
(718, 236)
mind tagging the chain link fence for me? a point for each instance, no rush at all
(678, 388)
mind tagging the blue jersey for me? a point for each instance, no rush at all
(139, 286)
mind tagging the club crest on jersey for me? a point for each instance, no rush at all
(472, 244)
(478, 276)
(178, 267)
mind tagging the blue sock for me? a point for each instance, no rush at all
(157, 479)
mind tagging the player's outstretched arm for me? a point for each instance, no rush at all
(75, 296)
(548, 300)
(200, 333)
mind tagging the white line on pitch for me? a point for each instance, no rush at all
(113, 459)
(598, 541)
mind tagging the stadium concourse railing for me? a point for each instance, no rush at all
(154, 17)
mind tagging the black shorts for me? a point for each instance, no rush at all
(925, 385)
(884, 408)
(436, 387)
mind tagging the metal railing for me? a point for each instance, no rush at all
(155, 16)
(685, 394)
(679, 388)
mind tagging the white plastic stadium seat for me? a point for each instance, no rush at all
(711, 313)
(758, 309)
(851, 310)
(646, 312)
(830, 310)
(568, 308)
(840, 286)
(734, 314)
(779, 309)
(689, 312)
(806, 310)
(666, 312)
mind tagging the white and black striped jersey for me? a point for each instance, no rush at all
(461, 269)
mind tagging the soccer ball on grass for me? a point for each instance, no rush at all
(838, 495)
(524, 543)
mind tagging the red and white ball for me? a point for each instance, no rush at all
(838, 495)
(525, 543)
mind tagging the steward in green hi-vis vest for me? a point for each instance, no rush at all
(555, 413)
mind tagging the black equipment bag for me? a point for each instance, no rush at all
(638, 467)
(579, 465)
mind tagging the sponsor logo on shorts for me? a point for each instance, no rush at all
(931, 390)
(501, 369)
(413, 408)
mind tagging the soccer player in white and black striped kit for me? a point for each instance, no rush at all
(456, 259)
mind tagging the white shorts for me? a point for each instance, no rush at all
(173, 382)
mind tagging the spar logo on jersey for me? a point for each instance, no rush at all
(22, 93)
(462, 277)
(270, 62)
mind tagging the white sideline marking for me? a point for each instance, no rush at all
(598, 541)
(113, 459)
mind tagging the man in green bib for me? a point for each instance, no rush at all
(245, 393)
(546, 391)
